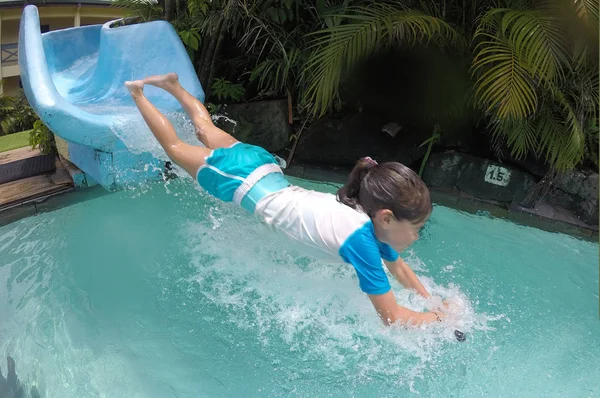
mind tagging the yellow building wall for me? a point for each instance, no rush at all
(56, 17)
(10, 32)
(47, 11)
(96, 20)
(106, 13)
(10, 27)
(57, 23)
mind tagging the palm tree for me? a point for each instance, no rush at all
(537, 79)
(355, 33)
(535, 73)
(203, 26)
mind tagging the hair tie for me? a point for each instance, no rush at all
(371, 161)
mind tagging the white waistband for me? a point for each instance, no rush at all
(252, 179)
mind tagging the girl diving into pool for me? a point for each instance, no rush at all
(377, 214)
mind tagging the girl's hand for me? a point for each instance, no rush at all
(448, 306)
(439, 316)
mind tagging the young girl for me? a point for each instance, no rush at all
(377, 214)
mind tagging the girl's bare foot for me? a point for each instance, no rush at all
(167, 82)
(136, 88)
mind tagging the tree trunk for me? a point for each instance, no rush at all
(298, 136)
(169, 10)
(205, 60)
(539, 190)
(212, 69)
(206, 43)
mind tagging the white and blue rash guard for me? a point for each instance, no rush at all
(332, 231)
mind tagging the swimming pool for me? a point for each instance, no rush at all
(163, 291)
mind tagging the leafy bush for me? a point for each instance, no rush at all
(225, 90)
(42, 137)
(15, 114)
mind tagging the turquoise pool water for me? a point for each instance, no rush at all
(165, 292)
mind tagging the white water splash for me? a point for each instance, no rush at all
(266, 287)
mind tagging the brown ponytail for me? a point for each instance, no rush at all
(393, 186)
(348, 194)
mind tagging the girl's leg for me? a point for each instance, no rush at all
(188, 157)
(210, 135)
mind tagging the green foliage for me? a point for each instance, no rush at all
(212, 108)
(191, 38)
(517, 49)
(435, 136)
(358, 33)
(197, 7)
(591, 156)
(225, 90)
(147, 10)
(534, 63)
(536, 83)
(15, 114)
(42, 137)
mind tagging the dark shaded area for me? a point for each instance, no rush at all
(262, 123)
(26, 168)
(417, 88)
(408, 91)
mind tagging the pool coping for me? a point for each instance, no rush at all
(445, 197)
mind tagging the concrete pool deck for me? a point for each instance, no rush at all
(29, 179)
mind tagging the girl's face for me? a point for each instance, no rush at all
(399, 234)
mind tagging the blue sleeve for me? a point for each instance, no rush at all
(386, 252)
(362, 252)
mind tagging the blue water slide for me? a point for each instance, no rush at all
(74, 80)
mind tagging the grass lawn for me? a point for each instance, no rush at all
(14, 141)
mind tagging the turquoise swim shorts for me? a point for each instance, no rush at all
(241, 173)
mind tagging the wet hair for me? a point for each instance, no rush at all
(393, 186)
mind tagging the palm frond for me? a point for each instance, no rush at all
(585, 47)
(275, 72)
(555, 132)
(516, 50)
(562, 138)
(336, 49)
(539, 39)
(583, 90)
(553, 143)
(277, 51)
(503, 85)
(587, 11)
(520, 135)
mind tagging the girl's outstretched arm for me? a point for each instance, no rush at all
(405, 275)
(390, 312)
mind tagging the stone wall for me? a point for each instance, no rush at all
(544, 216)
(573, 198)
(577, 192)
(342, 141)
(480, 178)
(263, 123)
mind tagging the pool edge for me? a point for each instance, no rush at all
(464, 203)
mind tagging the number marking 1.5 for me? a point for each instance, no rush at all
(497, 175)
